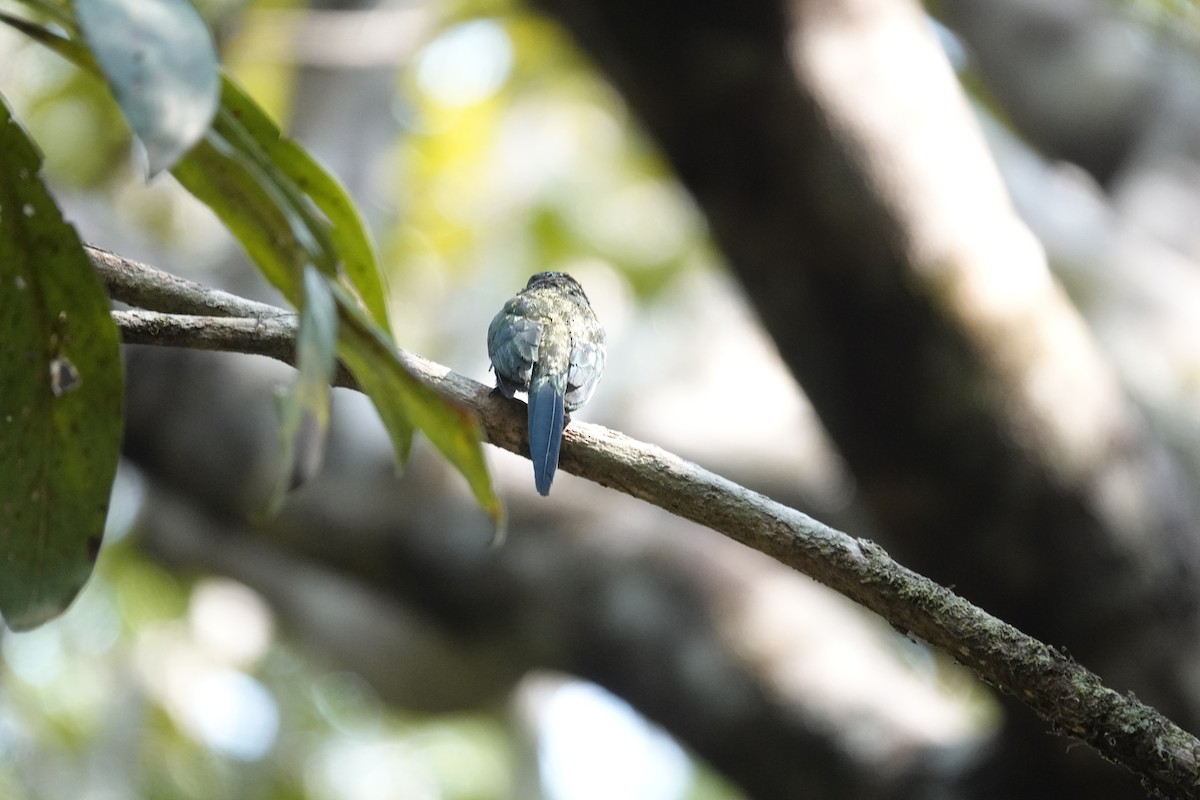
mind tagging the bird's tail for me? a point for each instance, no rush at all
(546, 418)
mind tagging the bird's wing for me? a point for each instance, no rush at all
(513, 348)
(587, 363)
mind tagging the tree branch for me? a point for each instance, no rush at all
(273, 336)
(843, 178)
(144, 286)
(1070, 698)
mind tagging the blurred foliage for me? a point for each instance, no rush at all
(515, 148)
(156, 685)
(511, 156)
(146, 689)
(70, 114)
(1177, 17)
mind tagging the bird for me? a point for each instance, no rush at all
(547, 342)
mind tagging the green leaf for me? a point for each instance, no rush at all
(283, 207)
(52, 10)
(279, 204)
(61, 391)
(234, 172)
(68, 49)
(249, 211)
(244, 134)
(289, 214)
(360, 263)
(306, 188)
(397, 393)
(372, 365)
(304, 411)
(158, 56)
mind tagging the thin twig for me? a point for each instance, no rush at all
(1070, 698)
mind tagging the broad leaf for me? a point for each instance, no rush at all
(159, 59)
(60, 396)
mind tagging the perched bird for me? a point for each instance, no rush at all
(547, 341)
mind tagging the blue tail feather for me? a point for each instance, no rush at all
(546, 418)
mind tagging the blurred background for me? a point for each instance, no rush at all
(368, 643)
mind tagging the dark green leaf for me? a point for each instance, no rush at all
(60, 396)
(160, 61)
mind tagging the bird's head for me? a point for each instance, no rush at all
(556, 280)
